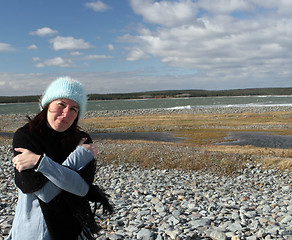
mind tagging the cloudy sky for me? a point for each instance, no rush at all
(116, 46)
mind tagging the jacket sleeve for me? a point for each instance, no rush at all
(27, 181)
(73, 160)
(64, 177)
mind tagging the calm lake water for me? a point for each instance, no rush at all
(175, 103)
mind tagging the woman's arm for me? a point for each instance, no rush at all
(63, 177)
(30, 181)
(48, 192)
(52, 188)
(80, 157)
(26, 159)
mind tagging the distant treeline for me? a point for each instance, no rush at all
(165, 94)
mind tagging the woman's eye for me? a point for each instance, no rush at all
(61, 104)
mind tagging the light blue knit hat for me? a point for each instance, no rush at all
(66, 87)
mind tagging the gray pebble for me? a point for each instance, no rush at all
(171, 204)
(145, 234)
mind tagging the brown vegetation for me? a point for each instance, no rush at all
(201, 133)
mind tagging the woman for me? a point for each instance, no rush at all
(54, 170)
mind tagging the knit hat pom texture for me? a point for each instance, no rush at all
(66, 87)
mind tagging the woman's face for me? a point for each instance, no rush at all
(61, 114)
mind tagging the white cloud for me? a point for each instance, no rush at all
(281, 6)
(17, 84)
(76, 53)
(32, 47)
(36, 59)
(97, 6)
(45, 31)
(166, 13)
(5, 47)
(219, 39)
(200, 43)
(56, 62)
(96, 57)
(137, 54)
(110, 47)
(69, 43)
(226, 6)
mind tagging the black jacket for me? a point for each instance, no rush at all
(67, 215)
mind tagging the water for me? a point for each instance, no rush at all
(174, 103)
(259, 139)
(180, 103)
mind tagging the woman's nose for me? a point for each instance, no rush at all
(66, 111)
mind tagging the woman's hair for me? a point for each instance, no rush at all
(40, 120)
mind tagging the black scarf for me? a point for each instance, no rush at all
(67, 215)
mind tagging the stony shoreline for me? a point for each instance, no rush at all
(10, 122)
(198, 110)
(162, 204)
(171, 204)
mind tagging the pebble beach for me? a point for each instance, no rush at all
(161, 204)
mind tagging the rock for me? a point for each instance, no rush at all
(200, 222)
(145, 234)
(216, 235)
(173, 204)
(287, 219)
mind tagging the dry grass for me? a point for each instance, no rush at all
(168, 156)
(269, 157)
(201, 132)
(193, 121)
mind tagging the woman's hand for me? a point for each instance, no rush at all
(25, 160)
(90, 146)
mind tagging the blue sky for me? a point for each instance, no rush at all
(115, 46)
